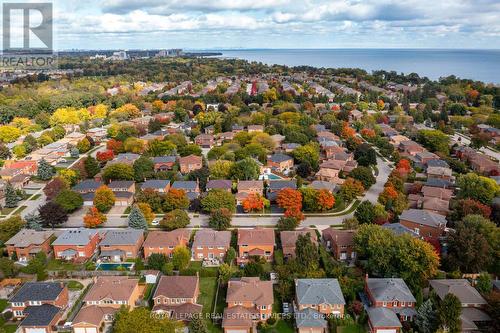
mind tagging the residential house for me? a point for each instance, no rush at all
(220, 184)
(97, 134)
(120, 245)
(275, 186)
(247, 187)
(410, 148)
(177, 296)
(396, 140)
(124, 191)
(205, 140)
(289, 239)
(20, 181)
(439, 169)
(165, 241)
(427, 224)
(255, 128)
(255, 242)
(125, 158)
(400, 229)
(77, 245)
(159, 185)
(249, 300)
(210, 244)
(280, 162)
(393, 294)
(226, 136)
(310, 321)
(190, 163)
(87, 186)
(383, 320)
(473, 317)
(321, 295)
(324, 185)
(27, 243)
(164, 163)
(424, 157)
(191, 187)
(340, 243)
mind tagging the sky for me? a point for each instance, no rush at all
(212, 24)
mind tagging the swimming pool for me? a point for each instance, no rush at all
(108, 266)
(269, 176)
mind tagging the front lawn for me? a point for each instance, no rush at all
(75, 285)
(10, 328)
(281, 326)
(352, 328)
(36, 196)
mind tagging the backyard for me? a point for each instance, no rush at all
(208, 289)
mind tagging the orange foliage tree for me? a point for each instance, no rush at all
(326, 200)
(114, 145)
(367, 133)
(404, 164)
(253, 202)
(105, 156)
(291, 201)
(93, 218)
(347, 131)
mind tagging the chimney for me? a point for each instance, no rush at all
(366, 277)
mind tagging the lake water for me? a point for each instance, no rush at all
(483, 65)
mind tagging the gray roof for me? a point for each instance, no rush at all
(122, 237)
(458, 287)
(383, 317)
(27, 237)
(437, 182)
(423, 217)
(219, 184)
(437, 163)
(279, 158)
(187, 185)
(399, 229)
(310, 318)
(164, 159)
(37, 291)
(209, 237)
(282, 184)
(324, 185)
(389, 290)
(87, 184)
(319, 291)
(155, 184)
(121, 184)
(41, 315)
(75, 237)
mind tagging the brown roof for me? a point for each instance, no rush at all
(166, 238)
(209, 237)
(177, 287)
(238, 316)
(185, 311)
(333, 164)
(437, 192)
(93, 314)
(289, 238)
(244, 185)
(340, 237)
(436, 204)
(250, 289)
(191, 159)
(117, 288)
(257, 236)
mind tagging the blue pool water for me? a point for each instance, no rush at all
(107, 266)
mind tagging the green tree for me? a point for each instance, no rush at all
(364, 175)
(180, 257)
(83, 145)
(175, 199)
(139, 320)
(477, 187)
(45, 170)
(306, 253)
(230, 256)
(190, 149)
(434, 140)
(11, 197)
(91, 166)
(33, 221)
(217, 199)
(484, 285)
(426, 319)
(449, 311)
(69, 200)
(143, 168)
(220, 219)
(287, 223)
(7, 267)
(198, 325)
(136, 219)
(365, 155)
(246, 169)
(156, 261)
(118, 171)
(175, 219)
(365, 213)
(225, 272)
(9, 227)
(308, 153)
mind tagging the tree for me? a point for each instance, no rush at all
(139, 320)
(291, 201)
(449, 311)
(69, 175)
(33, 221)
(220, 219)
(365, 155)
(11, 197)
(306, 253)
(175, 199)
(153, 198)
(143, 168)
(351, 189)
(9, 227)
(52, 214)
(365, 213)
(105, 156)
(190, 149)
(5, 153)
(118, 171)
(325, 199)
(477, 187)
(463, 207)
(364, 175)
(136, 219)
(175, 219)
(7, 267)
(225, 272)
(156, 261)
(426, 319)
(91, 166)
(45, 170)
(434, 140)
(114, 145)
(253, 202)
(217, 199)
(146, 211)
(197, 324)
(93, 218)
(69, 200)
(287, 223)
(83, 145)
(104, 199)
(246, 169)
(221, 169)
(308, 153)
(180, 257)
(230, 256)
(484, 284)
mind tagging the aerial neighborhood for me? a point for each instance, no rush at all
(212, 195)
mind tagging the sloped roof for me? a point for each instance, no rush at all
(117, 288)
(41, 315)
(166, 238)
(383, 317)
(423, 217)
(250, 289)
(238, 316)
(209, 237)
(76, 237)
(278, 158)
(318, 291)
(177, 287)
(289, 238)
(38, 291)
(93, 314)
(389, 290)
(27, 237)
(128, 236)
(310, 318)
(458, 287)
(256, 236)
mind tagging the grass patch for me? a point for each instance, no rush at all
(19, 209)
(281, 326)
(3, 304)
(148, 291)
(208, 289)
(60, 265)
(9, 328)
(75, 285)
(352, 328)
(7, 211)
(36, 196)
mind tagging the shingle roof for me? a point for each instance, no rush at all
(257, 236)
(399, 229)
(164, 159)
(185, 185)
(155, 184)
(383, 317)
(41, 315)
(38, 291)
(93, 314)
(310, 318)
(437, 163)
(318, 291)
(122, 237)
(117, 288)
(389, 289)
(219, 184)
(324, 185)
(209, 237)
(250, 289)
(75, 237)
(282, 184)
(289, 238)
(278, 158)
(423, 217)
(120, 184)
(458, 287)
(87, 184)
(27, 237)
(177, 287)
(166, 238)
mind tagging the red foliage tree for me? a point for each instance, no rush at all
(404, 164)
(115, 145)
(390, 192)
(254, 202)
(466, 207)
(367, 133)
(105, 156)
(291, 201)
(326, 200)
(55, 186)
(93, 218)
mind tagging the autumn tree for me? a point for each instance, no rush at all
(253, 202)
(325, 199)
(220, 219)
(175, 219)
(175, 199)
(364, 175)
(56, 185)
(118, 171)
(105, 156)
(146, 210)
(180, 257)
(104, 199)
(52, 214)
(115, 146)
(9, 227)
(291, 201)
(477, 187)
(463, 207)
(351, 189)
(93, 218)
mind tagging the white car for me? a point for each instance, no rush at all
(156, 221)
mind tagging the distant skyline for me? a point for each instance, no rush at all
(202, 24)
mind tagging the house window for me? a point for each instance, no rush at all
(18, 313)
(417, 231)
(384, 304)
(263, 307)
(81, 254)
(395, 303)
(268, 253)
(244, 245)
(35, 303)
(200, 255)
(18, 304)
(402, 303)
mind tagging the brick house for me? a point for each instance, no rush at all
(164, 163)
(33, 294)
(159, 185)
(165, 241)
(27, 243)
(383, 320)
(124, 191)
(280, 162)
(190, 163)
(205, 140)
(289, 239)
(191, 187)
(321, 295)
(275, 186)
(177, 296)
(255, 242)
(340, 243)
(220, 184)
(120, 245)
(249, 300)
(426, 224)
(393, 294)
(77, 245)
(210, 244)
(247, 187)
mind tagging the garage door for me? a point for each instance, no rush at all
(85, 330)
(387, 331)
(236, 331)
(35, 330)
